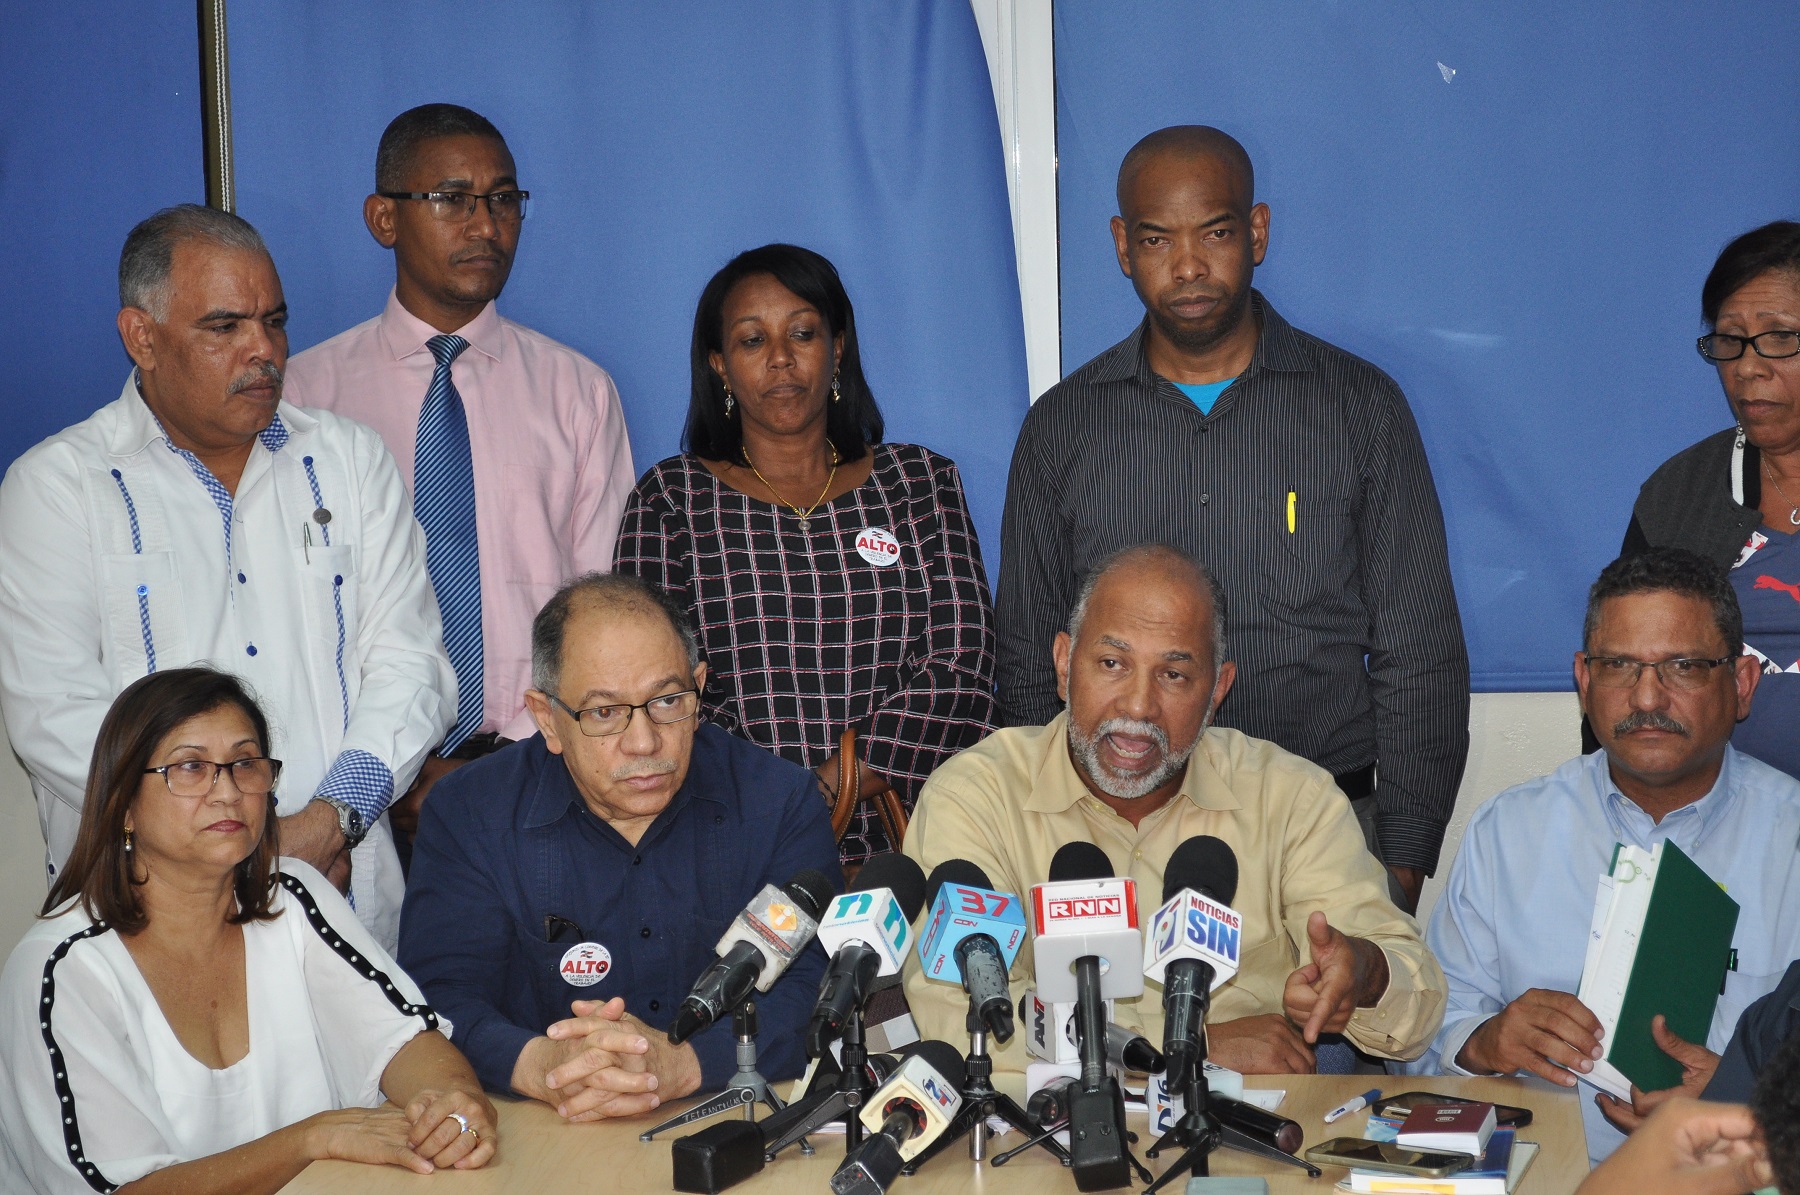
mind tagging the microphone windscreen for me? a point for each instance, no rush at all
(899, 875)
(955, 871)
(811, 890)
(1080, 861)
(942, 1057)
(1203, 864)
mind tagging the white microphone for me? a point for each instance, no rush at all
(904, 1115)
(1074, 919)
(1193, 945)
(757, 947)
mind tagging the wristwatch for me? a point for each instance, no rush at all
(350, 822)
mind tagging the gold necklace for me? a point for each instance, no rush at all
(803, 515)
(1793, 511)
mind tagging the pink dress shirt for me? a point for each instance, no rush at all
(546, 437)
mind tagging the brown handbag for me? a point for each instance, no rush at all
(849, 795)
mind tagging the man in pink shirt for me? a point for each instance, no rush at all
(512, 445)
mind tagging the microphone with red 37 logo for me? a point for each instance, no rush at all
(971, 937)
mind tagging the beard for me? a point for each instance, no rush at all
(1198, 338)
(1125, 786)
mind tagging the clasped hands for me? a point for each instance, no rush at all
(603, 1063)
(423, 1137)
(1343, 974)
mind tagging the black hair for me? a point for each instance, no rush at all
(404, 135)
(852, 424)
(1776, 1106)
(1772, 247)
(1669, 570)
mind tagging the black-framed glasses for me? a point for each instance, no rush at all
(599, 721)
(1684, 675)
(1775, 344)
(196, 777)
(507, 207)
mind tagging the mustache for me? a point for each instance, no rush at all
(1132, 726)
(649, 767)
(268, 373)
(1648, 720)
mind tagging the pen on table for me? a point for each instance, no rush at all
(1290, 511)
(1355, 1105)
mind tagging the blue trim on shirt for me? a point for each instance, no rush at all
(362, 782)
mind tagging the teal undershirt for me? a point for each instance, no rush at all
(1204, 395)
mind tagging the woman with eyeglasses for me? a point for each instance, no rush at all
(835, 581)
(194, 1014)
(1735, 496)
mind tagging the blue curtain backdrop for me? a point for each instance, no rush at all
(658, 140)
(99, 127)
(1508, 207)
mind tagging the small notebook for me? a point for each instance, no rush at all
(1449, 1128)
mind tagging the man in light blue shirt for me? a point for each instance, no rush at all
(1662, 680)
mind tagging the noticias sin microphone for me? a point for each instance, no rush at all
(1087, 949)
(1192, 947)
(763, 939)
(904, 1115)
(972, 935)
(868, 933)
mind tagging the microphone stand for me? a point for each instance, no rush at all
(1099, 1145)
(809, 1115)
(1200, 1133)
(980, 1101)
(747, 1085)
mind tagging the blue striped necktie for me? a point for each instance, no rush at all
(444, 499)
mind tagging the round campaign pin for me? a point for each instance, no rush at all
(585, 964)
(878, 546)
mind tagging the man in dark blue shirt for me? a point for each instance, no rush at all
(591, 869)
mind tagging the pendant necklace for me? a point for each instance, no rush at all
(1793, 511)
(805, 516)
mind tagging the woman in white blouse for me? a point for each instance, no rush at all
(194, 1014)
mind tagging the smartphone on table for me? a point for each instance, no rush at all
(1385, 1155)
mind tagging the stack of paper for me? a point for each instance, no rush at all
(1497, 1173)
(1659, 943)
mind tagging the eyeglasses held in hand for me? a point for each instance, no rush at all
(196, 777)
(1775, 345)
(1686, 675)
(507, 207)
(602, 720)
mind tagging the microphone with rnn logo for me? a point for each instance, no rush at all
(868, 933)
(762, 940)
(1193, 946)
(971, 936)
(904, 1115)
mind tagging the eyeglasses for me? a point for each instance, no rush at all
(1721, 347)
(1684, 675)
(453, 207)
(196, 777)
(601, 721)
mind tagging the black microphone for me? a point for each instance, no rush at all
(979, 959)
(868, 931)
(1085, 861)
(757, 947)
(1204, 865)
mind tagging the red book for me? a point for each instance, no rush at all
(1449, 1128)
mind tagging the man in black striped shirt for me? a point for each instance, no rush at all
(1292, 469)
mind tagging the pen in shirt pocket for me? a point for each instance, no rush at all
(1293, 499)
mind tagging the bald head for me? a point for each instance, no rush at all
(607, 594)
(1187, 146)
(1155, 574)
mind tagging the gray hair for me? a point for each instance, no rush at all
(617, 591)
(149, 253)
(1151, 551)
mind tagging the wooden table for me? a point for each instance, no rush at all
(539, 1155)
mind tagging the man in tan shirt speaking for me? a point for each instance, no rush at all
(1134, 766)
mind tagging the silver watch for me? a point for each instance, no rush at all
(350, 822)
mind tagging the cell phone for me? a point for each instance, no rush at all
(1399, 1107)
(1385, 1155)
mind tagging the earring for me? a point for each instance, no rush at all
(128, 847)
(728, 402)
(835, 396)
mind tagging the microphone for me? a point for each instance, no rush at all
(1129, 1050)
(904, 1115)
(867, 932)
(972, 936)
(760, 943)
(1193, 945)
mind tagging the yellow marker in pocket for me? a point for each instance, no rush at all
(1290, 512)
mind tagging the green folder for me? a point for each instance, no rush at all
(1678, 971)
